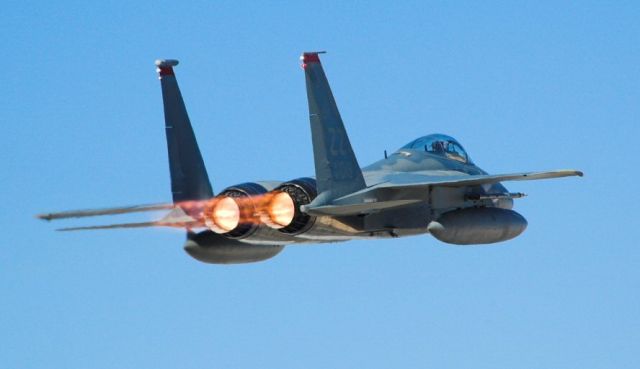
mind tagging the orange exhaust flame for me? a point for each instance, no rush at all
(279, 211)
(225, 213)
(222, 215)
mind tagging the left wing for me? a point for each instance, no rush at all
(473, 180)
(408, 188)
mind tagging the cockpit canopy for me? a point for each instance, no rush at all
(442, 145)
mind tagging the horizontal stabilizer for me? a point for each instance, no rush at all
(362, 208)
(176, 218)
(110, 226)
(104, 211)
(127, 225)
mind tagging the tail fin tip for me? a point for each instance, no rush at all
(165, 66)
(310, 57)
(167, 62)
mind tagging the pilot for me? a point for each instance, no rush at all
(437, 147)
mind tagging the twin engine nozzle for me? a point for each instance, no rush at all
(225, 213)
(239, 210)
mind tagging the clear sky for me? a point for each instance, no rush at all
(532, 86)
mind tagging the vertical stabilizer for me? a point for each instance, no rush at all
(337, 169)
(189, 179)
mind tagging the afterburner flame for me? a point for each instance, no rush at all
(223, 216)
(281, 210)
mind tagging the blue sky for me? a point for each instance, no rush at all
(529, 86)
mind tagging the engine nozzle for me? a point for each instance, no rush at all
(279, 210)
(222, 214)
(281, 207)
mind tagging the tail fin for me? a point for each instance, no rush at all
(189, 179)
(337, 169)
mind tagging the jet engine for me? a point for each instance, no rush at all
(477, 226)
(234, 212)
(281, 209)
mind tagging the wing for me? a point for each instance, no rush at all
(406, 189)
(473, 180)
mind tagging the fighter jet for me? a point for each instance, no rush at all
(428, 186)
